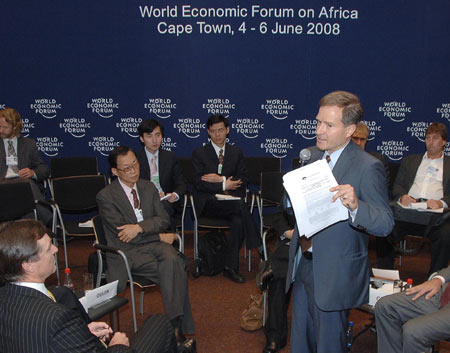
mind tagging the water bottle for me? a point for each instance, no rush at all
(349, 335)
(68, 280)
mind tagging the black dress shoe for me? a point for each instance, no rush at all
(235, 276)
(264, 276)
(188, 346)
(272, 347)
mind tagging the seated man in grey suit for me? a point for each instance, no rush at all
(20, 158)
(414, 320)
(423, 178)
(32, 321)
(161, 167)
(135, 221)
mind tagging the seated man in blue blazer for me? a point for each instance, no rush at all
(161, 167)
(31, 320)
(219, 168)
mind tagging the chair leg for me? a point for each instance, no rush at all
(249, 260)
(141, 302)
(264, 306)
(114, 320)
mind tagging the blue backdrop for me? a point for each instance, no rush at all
(84, 74)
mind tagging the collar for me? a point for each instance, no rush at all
(34, 285)
(335, 155)
(426, 158)
(217, 148)
(150, 155)
(126, 188)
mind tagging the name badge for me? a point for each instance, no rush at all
(219, 169)
(138, 213)
(12, 160)
(432, 170)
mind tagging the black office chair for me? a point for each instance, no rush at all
(139, 281)
(70, 166)
(17, 201)
(75, 196)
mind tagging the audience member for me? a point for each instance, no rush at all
(161, 167)
(20, 158)
(422, 178)
(219, 168)
(273, 276)
(414, 320)
(134, 220)
(32, 321)
(331, 271)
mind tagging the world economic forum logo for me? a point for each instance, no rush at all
(129, 125)
(444, 111)
(161, 107)
(306, 128)
(393, 149)
(103, 144)
(418, 129)
(277, 147)
(47, 107)
(190, 127)
(221, 106)
(277, 108)
(49, 145)
(76, 127)
(248, 127)
(104, 107)
(395, 110)
(374, 128)
(27, 127)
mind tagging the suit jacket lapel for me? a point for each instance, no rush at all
(123, 201)
(344, 163)
(161, 167)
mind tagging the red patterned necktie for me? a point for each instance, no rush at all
(445, 299)
(221, 156)
(135, 199)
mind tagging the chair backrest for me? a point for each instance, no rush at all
(258, 165)
(71, 166)
(272, 188)
(188, 169)
(98, 230)
(77, 193)
(16, 199)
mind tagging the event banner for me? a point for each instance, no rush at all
(83, 75)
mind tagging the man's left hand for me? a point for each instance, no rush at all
(430, 288)
(212, 178)
(128, 232)
(434, 204)
(347, 195)
(100, 330)
(26, 173)
(172, 198)
(167, 237)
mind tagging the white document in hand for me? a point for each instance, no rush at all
(309, 191)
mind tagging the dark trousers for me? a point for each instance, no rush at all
(440, 244)
(276, 326)
(242, 226)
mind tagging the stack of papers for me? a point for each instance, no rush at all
(222, 197)
(421, 206)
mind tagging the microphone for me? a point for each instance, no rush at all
(305, 156)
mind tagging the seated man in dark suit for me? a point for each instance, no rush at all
(31, 320)
(20, 158)
(273, 275)
(423, 178)
(161, 167)
(219, 168)
(135, 221)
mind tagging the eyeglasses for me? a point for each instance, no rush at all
(129, 168)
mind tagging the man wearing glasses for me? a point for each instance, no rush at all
(135, 221)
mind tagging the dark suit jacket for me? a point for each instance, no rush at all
(340, 254)
(171, 176)
(29, 157)
(116, 210)
(32, 322)
(407, 173)
(205, 161)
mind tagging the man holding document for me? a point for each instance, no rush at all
(330, 265)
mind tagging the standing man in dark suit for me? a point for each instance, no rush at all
(423, 178)
(135, 221)
(161, 167)
(331, 270)
(31, 320)
(219, 168)
(20, 158)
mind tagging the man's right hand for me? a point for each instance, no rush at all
(119, 338)
(406, 200)
(167, 237)
(232, 184)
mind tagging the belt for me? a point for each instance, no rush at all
(308, 255)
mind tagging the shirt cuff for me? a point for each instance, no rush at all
(441, 278)
(353, 214)
(224, 183)
(178, 197)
